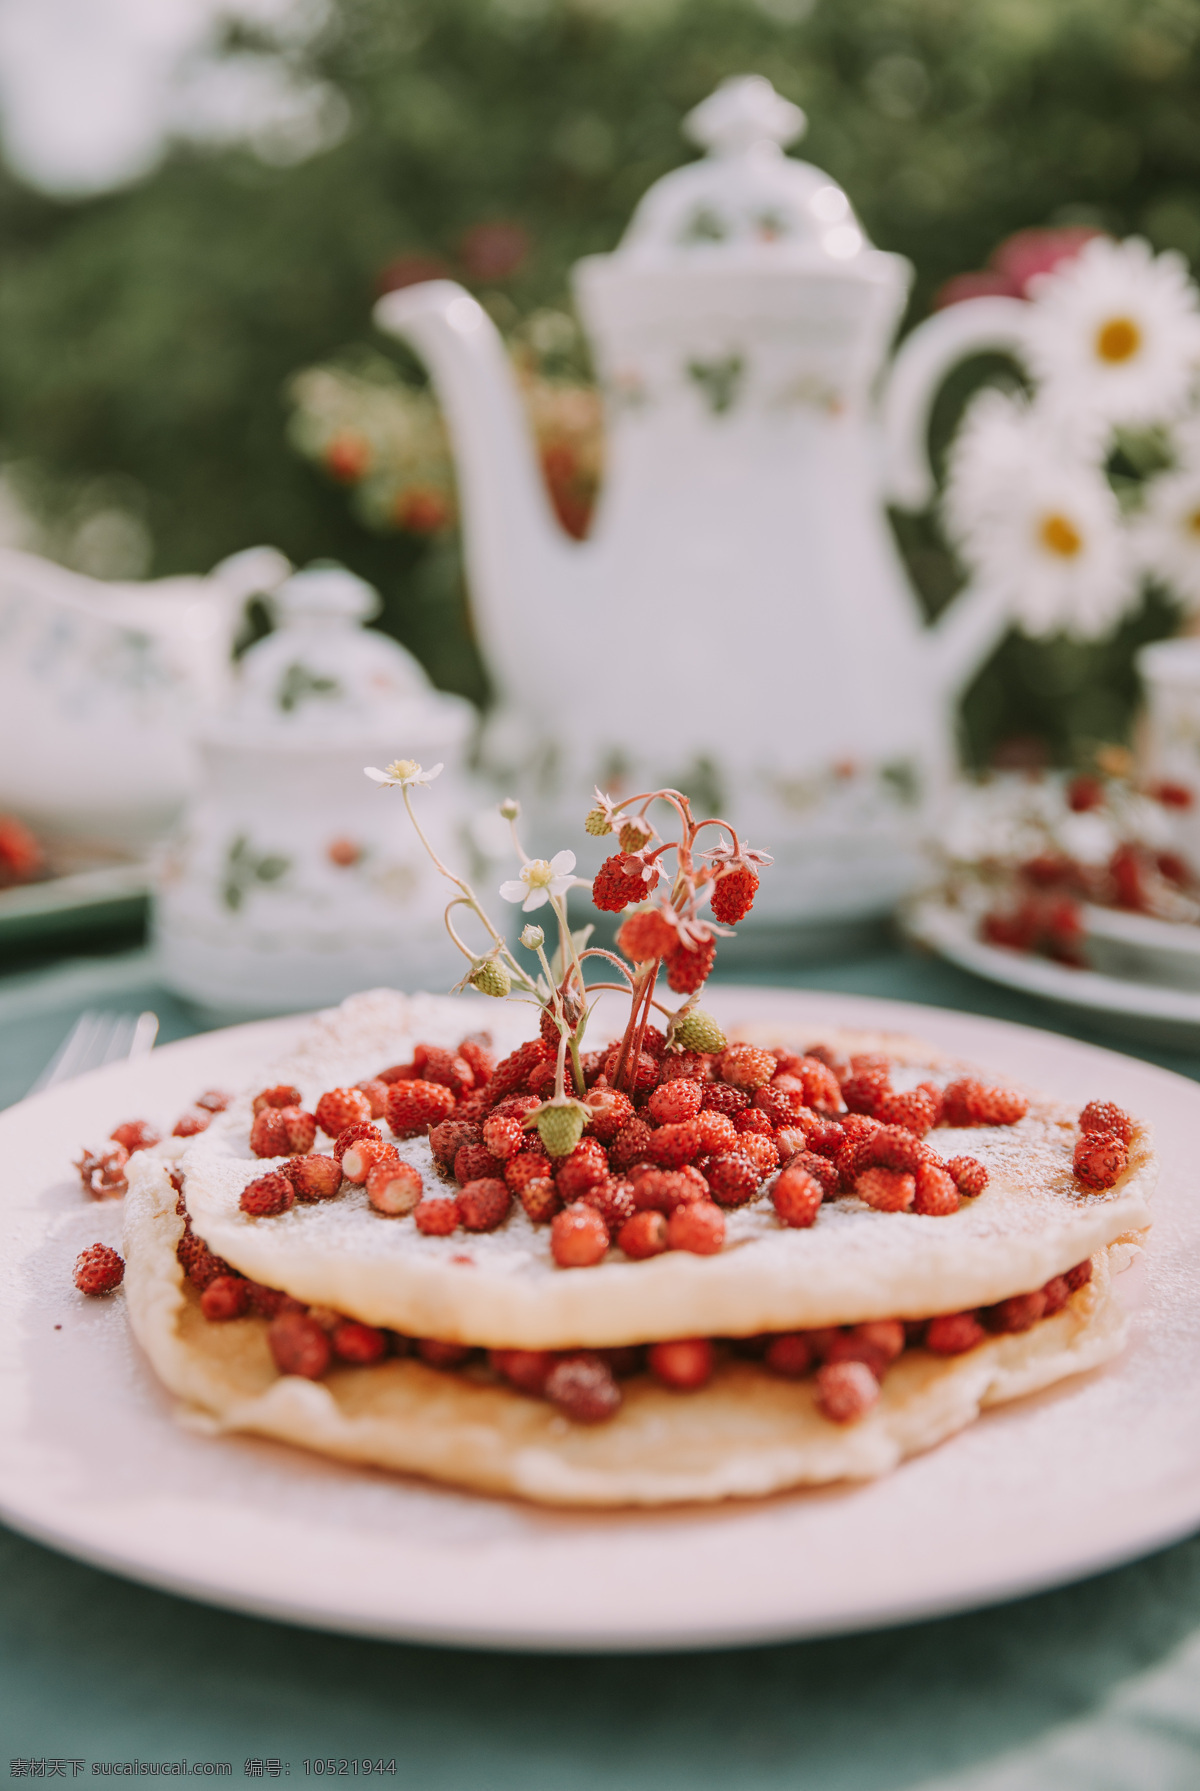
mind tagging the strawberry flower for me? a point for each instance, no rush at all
(401, 774)
(540, 879)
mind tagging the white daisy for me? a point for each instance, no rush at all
(1037, 522)
(401, 774)
(1168, 532)
(540, 879)
(1115, 333)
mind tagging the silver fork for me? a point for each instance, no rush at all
(99, 1037)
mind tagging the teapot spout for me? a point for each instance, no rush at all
(518, 558)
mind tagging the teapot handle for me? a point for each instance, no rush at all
(921, 364)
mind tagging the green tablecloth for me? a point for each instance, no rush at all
(1097, 1685)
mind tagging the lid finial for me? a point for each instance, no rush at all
(744, 112)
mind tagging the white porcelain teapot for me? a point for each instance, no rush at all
(739, 620)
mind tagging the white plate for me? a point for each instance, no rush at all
(1094, 1472)
(1151, 1011)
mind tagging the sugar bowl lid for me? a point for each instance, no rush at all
(745, 201)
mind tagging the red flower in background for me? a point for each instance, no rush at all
(410, 269)
(494, 251)
(1015, 262)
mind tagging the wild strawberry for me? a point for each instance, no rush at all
(198, 1262)
(1101, 1159)
(846, 1391)
(733, 894)
(314, 1177)
(822, 1091)
(518, 1106)
(364, 1129)
(688, 967)
(527, 1369)
(610, 1110)
(361, 1156)
(697, 1031)
(1080, 1275)
(779, 1104)
(662, 1190)
(376, 1092)
(541, 1081)
(473, 1161)
(622, 880)
(733, 1178)
(790, 1354)
(415, 1106)
(716, 1132)
(682, 1363)
(613, 1200)
(134, 1135)
(969, 1103)
(673, 1102)
(476, 1050)
(1020, 1313)
(396, 1072)
(630, 1144)
(540, 1198)
(698, 1226)
(761, 1151)
(892, 1147)
(190, 1125)
(970, 1176)
(953, 1333)
(644, 1235)
(578, 1237)
(825, 1136)
(436, 1218)
(685, 1066)
(214, 1100)
(887, 1190)
(99, 1270)
(484, 1204)
(448, 1138)
(560, 1126)
(503, 1137)
(527, 1166)
(753, 1119)
(282, 1132)
(937, 1193)
(1097, 1116)
(720, 1097)
(583, 1388)
(746, 1067)
(299, 1345)
(1056, 1294)
(877, 1344)
(797, 1196)
(268, 1195)
(647, 935)
(342, 1107)
(820, 1168)
(639, 1075)
(437, 1354)
(357, 1343)
(582, 1170)
(915, 1111)
(393, 1186)
(225, 1297)
(852, 1155)
(864, 1091)
(433, 1064)
(673, 1146)
(281, 1095)
(269, 1302)
(655, 1042)
(512, 1072)
(102, 1172)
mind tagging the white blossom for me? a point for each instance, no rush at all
(540, 879)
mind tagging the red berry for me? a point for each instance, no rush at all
(134, 1135)
(720, 1097)
(644, 1235)
(363, 1129)
(639, 1075)
(820, 1168)
(716, 1132)
(585, 1168)
(512, 1072)
(673, 1146)
(527, 1369)
(215, 1100)
(779, 1103)
(613, 1200)
(584, 1388)
(415, 1106)
(476, 1050)
(189, 1125)
(269, 1302)
(314, 1177)
(268, 1195)
(357, 1343)
(436, 1354)
(1080, 1275)
(864, 1091)
(448, 1138)
(436, 1218)
(503, 1137)
(753, 1119)
(622, 879)
(631, 1144)
(484, 1204)
(530, 1165)
(225, 1297)
(916, 1111)
(102, 1172)
(1056, 1294)
(282, 1132)
(675, 1101)
(611, 1111)
(433, 1064)
(969, 1103)
(376, 1092)
(970, 1176)
(198, 1262)
(822, 1091)
(733, 894)
(937, 1192)
(99, 1270)
(846, 1391)
(887, 1190)
(362, 1154)
(682, 1363)
(697, 1226)
(791, 1354)
(578, 1237)
(954, 1333)
(342, 1107)
(1097, 1116)
(761, 1152)
(746, 1066)
(282, 1095)
(733, 1178)
(688, 967)
(893, 1147)
(647, 935)
(1101, 1159)
(1019, 1313)
(876, 1343)
(475, 1162)
(393, 1186)
(299, 1345)
(797, 1197)
(662, 1190)
(540, 1198)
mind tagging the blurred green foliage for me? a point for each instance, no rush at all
(147, 337)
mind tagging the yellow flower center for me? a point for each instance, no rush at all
(1059, 535)
(1192, 523)
(1118, 339)
(537, 873)
(403, 769)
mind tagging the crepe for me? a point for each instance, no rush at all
(502, 1289)
(747, 1434)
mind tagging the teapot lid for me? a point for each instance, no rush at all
(745, 200)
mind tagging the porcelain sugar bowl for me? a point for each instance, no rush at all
(293, 880)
